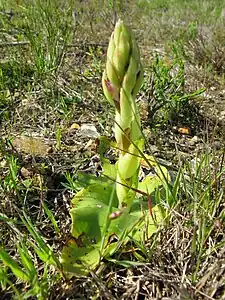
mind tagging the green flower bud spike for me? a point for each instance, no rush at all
(121, 82)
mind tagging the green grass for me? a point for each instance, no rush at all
(51, 61)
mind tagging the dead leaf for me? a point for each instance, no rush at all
(30, 145)
(184, 130)
(74, 126)
(26, 173)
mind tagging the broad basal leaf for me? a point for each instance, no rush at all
(79, 260)
(95, 235)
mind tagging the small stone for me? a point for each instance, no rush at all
(194, 140)
(89, 130)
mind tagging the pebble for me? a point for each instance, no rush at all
(88, 130)
(194, 140)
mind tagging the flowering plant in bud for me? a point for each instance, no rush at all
(95, 205)
(121, 82)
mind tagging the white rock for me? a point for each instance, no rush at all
(89, 130)
(194, 140)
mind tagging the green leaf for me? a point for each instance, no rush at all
(163, 173)
(12, 264)
(4, 281)
(45, 256)
(84, 180)
(51, 217)
(150, 184)
(95, 235)
(79, 260)
(42, 249)
(109, 170)
(99, 192)
(127, 263)
(90, 216)
(3, 273)
(147, 225)
(25, 259)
